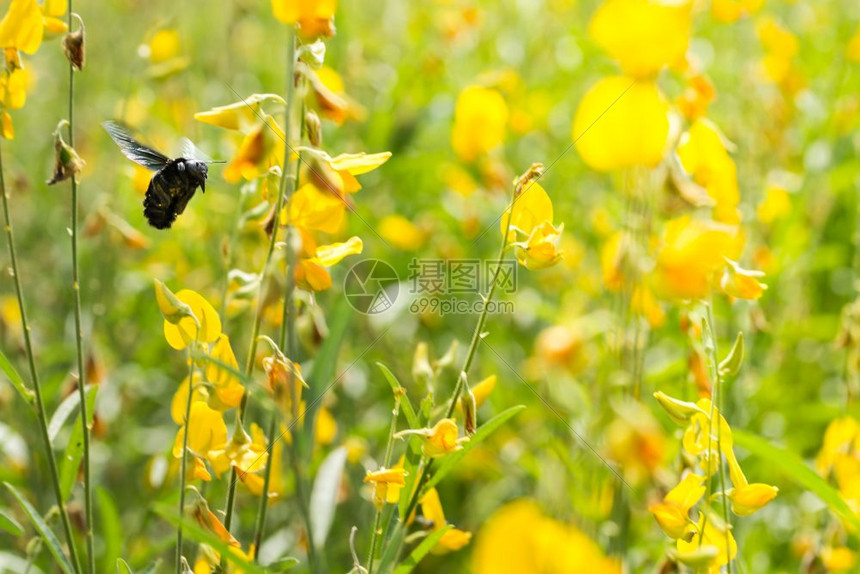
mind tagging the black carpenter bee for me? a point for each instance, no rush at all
(175, 180)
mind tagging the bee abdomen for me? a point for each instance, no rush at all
(158, 204)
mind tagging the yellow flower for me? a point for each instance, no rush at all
(337, 174)
(440, 440)
(542, 248)
(327, 88)
(312, 273)
(715, 538)
(401, 233)
(208, 431)
(387, 483)
(690, 253)
(180, 397)
(240, 116)
(838, 559)
(314, 17)
(531, 208)
(165, 45)
(482, 390)
(643, 35)
(729, 11)
(7, 129)
(697, 96)
(775, 205)
(247, 454)
(480, 119)
(629, 124)
(202, 325)
(703, 152)
(261, 148)
(519, 538)
(839, 439)
(431, 509)
(13, 88)
(742, 283)
(280, 372)
(673, 513)
(24, 24)
(314, 209)
(749, 498)
(207, 519)
(228, 389)
(852, 51)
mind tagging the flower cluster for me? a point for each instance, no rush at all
(705, 541)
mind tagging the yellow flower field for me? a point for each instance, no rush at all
(460, 286)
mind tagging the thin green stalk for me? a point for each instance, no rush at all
(264, 497)
(470, 356)
(716, 396)
(386, 463)
(261, 304)
(37, 388)
(79, 343)
(183, 464)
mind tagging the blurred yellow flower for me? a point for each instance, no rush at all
(401, 233)
(715, 540)
(673, 513)
(698, 94)
(22, 27)
(629, 124)
(742, 283)
(314, 17)
(729, 11)
(431, 509)
(519, 538)
(852, 51)
(480, 120)
(482, 390)
(328, 91)
(164, 45)
(703, 152)
(690, 254)
(838, 559)
(207, 519)
(13, 88)
(841, 436)
(775, 205)
(240, 116)
(643, 35)
(180, 397)
(325, 427)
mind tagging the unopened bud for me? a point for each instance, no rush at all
(313, 127)
(74, 45)
(422, 372)
(680, 411)
(470, 411)
(67, 162)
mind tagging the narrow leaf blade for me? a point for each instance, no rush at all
(420, 551)
(44, 531)
(16, 379)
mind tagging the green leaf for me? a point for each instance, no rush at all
(282, 565)
(799, 472)
(122, 567)
(730, 366)
(420, 551)
(16, 380)
(71, 461)
(405, 403)
(44, 531)
(111, 528)
(450, 461)
(201, 536)
(152, 568)
(392, 550)
(324, 494)
(9, 524)
(67, 407)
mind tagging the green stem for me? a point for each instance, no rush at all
(183, 464)
(79, 343)
(386, 463)
(261, 304)
(264, 496)
(37, 388)
(470, 356)
(716, 396)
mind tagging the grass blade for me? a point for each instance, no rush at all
(16, 380)
(420, 551)
(44, 531)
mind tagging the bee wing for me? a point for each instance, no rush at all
(133, 149)
(191, 151)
